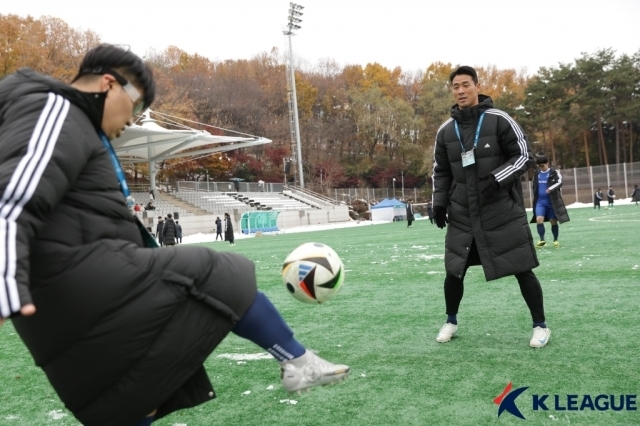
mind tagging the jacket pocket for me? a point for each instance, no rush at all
(185, 286)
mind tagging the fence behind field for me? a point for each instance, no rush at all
(579, 184)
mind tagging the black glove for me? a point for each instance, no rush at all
(488, 186)
(440, 216)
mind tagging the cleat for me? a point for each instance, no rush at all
(556, 243)
(540, 337)
(541, 243)
(301, 374)
(447, 332)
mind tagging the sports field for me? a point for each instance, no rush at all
(384, 322)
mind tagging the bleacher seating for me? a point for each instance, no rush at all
(219, 203)
(216, 203)
(162, 207)
(270, 201)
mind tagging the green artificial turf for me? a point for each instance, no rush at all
(384, 322)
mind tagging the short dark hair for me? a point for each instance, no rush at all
(541, 159)
(169, 215)
(464, 70)
(119, 59)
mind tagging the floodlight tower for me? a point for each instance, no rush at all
(294, 20)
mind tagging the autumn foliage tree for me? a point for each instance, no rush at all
(359, 125)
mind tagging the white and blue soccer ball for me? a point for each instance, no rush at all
(313, 273)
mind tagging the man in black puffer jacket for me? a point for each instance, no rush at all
(480, 155)
(121, 330)
(169, 231)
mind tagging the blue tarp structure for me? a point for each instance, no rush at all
(389, 209)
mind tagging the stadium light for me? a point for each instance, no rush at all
(294, 20)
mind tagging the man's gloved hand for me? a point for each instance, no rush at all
(440, 216)
(488, 186)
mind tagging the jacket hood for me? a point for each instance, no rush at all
(461, 115)
(26, 81)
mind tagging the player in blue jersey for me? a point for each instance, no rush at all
(547, 200)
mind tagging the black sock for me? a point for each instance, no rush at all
(453, 292)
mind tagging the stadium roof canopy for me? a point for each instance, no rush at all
(147, 141)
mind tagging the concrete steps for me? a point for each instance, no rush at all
(178, 202)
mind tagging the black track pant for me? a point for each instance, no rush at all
(529, 287)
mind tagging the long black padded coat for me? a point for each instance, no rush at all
(169, 232)
(120, 329)
(498, 226)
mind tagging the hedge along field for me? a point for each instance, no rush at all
(384, 322)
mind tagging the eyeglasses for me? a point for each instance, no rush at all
(133, 93)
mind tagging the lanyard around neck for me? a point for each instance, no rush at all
(475, 142)
(119, 172)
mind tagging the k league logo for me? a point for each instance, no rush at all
(507, 401)
(573, 402)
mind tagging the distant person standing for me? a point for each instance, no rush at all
(547, 200)
(610, 196)
(228, 230)
(236, 184)
(169, 231)
(159, 228)
(219, 229)
(430, 211)
(635, 195)
(597, 197)
(178, 233)
(410, 215)
(261, 185)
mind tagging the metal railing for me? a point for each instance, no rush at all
(203, 186)
(579, 185)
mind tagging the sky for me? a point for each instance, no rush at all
(522, 35)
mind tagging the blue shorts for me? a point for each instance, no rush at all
(546, 210)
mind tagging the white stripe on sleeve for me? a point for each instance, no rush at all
(522, 144)
(552, 187)
(19, 191)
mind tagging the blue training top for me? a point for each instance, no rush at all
(543, 179)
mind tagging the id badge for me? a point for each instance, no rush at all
(468, 158)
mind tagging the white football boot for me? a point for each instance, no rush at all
(540, 337)
(310, 370)
(447, 332)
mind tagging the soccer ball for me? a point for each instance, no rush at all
(313, 273)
